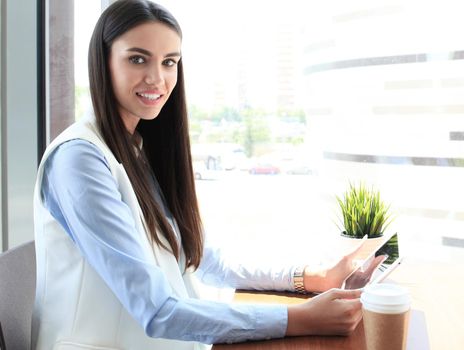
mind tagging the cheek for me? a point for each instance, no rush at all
(116, 79)
(171, 81)
(121, 78)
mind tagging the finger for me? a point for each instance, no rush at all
(345, 293)
(374, 264)
(359, 317)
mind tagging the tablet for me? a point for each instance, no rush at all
(361, 276)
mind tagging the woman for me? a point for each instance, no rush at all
(118, 233)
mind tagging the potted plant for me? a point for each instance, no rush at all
(363, 212)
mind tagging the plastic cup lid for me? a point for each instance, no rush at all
(385, 297)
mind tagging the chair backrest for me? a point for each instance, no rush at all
(17, 293)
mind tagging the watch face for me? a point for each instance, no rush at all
(299, 271)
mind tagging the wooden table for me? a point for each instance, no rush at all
(437, 318)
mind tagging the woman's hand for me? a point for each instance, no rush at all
(362, 277)
(333, 277)
(335, 312)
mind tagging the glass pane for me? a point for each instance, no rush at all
(86, 13)
(289, 104)
(323, 95)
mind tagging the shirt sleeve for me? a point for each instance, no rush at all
(82, 195)
(217, 271)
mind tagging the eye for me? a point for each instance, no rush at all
(136, 59)
(169, 62)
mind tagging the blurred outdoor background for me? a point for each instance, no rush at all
(291, 101)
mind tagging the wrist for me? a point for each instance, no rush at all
(314, 280)
(295, 321)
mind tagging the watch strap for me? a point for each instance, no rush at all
(298, 280)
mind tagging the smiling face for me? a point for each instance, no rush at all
(143, 67)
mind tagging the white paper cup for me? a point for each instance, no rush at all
(385, 316)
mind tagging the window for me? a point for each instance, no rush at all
(325, 94)
(289, 103)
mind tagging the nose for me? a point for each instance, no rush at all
(154, 76)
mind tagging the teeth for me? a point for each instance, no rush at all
(149, 96)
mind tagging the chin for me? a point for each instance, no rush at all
(150, 116)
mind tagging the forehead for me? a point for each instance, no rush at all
(155, 37)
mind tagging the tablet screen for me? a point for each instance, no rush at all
(392, 253)
(389, 256)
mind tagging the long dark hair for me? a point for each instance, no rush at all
(165, 139)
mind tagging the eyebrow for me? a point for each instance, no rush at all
(148, 53)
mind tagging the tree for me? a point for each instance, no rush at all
(255, 130)
(229, 114)
(294, 115)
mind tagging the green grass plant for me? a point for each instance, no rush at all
(363, 212)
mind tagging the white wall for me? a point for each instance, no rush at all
(18, 119)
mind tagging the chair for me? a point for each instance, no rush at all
(17, 293)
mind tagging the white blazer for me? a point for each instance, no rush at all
(74, 309)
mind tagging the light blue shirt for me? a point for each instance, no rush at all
(82, 195)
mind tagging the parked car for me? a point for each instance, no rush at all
(201, 172)
(294, 167)
(300, 170)
(267, 169)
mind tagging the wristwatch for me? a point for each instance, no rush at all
(298, 280)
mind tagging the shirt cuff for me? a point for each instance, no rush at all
(283, 280)
(270, 321)
(273, 321)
